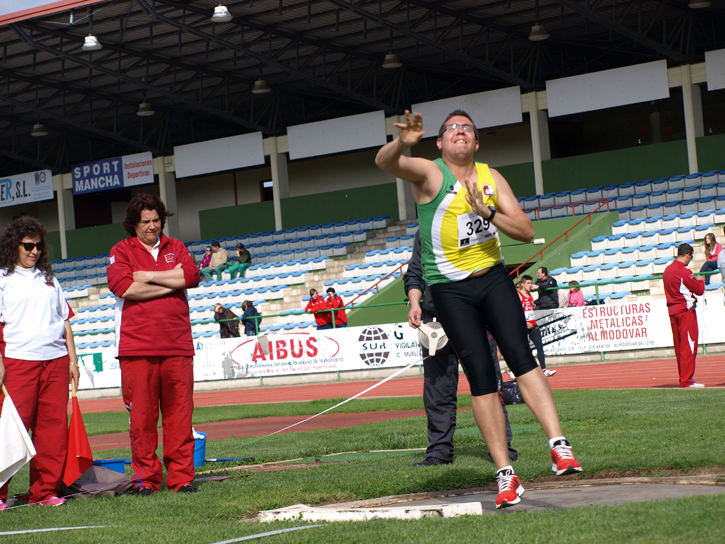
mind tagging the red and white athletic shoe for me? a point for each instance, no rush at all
(509, 489)
(562, 460)
(51, 501)
(3, 505)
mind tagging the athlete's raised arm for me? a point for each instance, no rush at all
(416, 170)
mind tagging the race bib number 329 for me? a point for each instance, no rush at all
(473, 229)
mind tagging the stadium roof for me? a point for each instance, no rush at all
(322, 59)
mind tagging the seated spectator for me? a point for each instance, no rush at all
(193, 257)
(575, 297)
(317, 303)
(217, 264)
(548, 298)
(712, 252)
(721, 260)
(251, 325)
(227, 329)
(206, 259)
(245, 261)
(335, 301)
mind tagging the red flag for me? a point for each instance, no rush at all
(79, 457)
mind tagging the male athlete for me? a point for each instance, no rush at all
(461, 207)
(528, 303)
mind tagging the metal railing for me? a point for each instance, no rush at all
(572, 204)
(565, 235)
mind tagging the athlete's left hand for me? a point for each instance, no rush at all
(475, 199)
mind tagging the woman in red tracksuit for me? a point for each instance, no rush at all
(38, 355)
(317, 303)
(335, 301)
(148, 273)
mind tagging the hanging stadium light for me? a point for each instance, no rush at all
(261, 87)
(91, 43)
(39, 130)
(221, 14)
(391, 61)
(145, 109)
(538, 33)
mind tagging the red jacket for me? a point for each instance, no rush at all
(314, 306)
(152, 327)
(341, 316)
(680, 288)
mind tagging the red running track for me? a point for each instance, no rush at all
(661, 373)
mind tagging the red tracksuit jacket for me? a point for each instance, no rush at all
(680, 288)
(152, 327)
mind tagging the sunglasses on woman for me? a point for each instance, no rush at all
(28, 246)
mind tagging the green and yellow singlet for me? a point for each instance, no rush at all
(455, 242)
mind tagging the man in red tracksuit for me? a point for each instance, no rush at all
(681, 286)
(148, 273)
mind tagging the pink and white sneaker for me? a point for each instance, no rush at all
(3, 505)
(52, 501)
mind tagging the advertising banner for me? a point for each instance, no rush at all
(628, 326)
(355, 348)
(24, 188)
(113, 173)
(566, 331)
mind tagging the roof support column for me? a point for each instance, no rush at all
(280, 180)
(694, 127)
(167, 193)
(66, 211)
(541, 150)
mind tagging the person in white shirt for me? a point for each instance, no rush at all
(37, 353)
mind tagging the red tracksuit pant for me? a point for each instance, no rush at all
(151, 384)
(685, 335)
(39, 390)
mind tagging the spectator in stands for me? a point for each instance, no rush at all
(712, 252)
(227, 329)
(38, 354)
(251, 325)
(440, 372)
(315, 306)
(245, 261)
(681, 286)
(721, 260)
(218, 262)
(528, 304)
(575, 297)
(193, 257)
(149, 274)
(548, 298)
(335, 301)
(206, 259)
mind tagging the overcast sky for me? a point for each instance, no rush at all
(11, 6)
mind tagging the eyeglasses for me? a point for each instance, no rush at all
(207, 250)
(28, 246)
(455, 126)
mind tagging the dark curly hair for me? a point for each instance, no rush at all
(140, 203)
(21, 227)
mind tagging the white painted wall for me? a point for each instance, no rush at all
(335, 173)
(46, 211)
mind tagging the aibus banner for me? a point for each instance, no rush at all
(115, 173)
(354, 348)
(24, 188)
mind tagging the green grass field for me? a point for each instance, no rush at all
(651, 432)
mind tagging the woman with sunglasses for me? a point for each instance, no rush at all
(38, 353)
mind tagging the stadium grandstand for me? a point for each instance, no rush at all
(258, 124)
